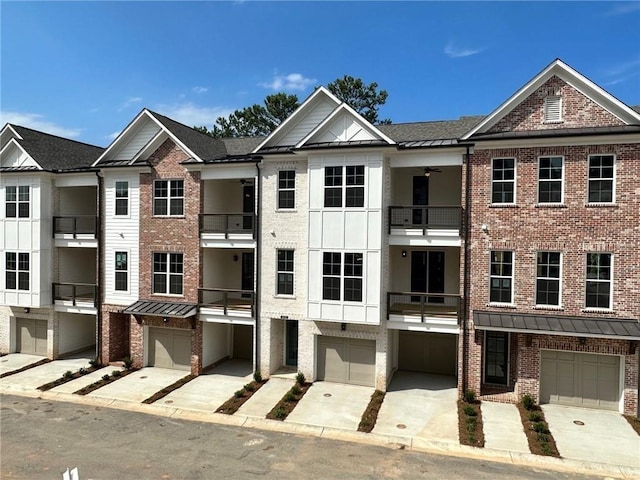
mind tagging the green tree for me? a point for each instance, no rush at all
(364, 99)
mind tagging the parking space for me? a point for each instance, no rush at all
(31, 379)
(16, 361)
(139, 385)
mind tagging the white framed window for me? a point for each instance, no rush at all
(548, 278)
(553, 109)
(601, 179)
(121, 269)
(599, 280)
(344, 186)
(501, 277)
(353, 277)
(286, 189)
(168, 273)
(122, 198)
(334, 277)
(285, 272)
(503, 180)
(168, 198)
(17, 271)
(550, 180)
(354, 191)
(17, 199)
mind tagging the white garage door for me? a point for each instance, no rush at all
(170, 348)
(428, 352)
(31, 336)
(580, 379)
(346, 360)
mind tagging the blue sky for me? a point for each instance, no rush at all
(84, 69)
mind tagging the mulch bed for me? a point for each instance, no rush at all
(27, 367)
(232, 405)
(167, 390)
(634, 422)
(470, 428)
(105, 380)
(290, 400)
(67, 378)
(541, 442)
(370, 415)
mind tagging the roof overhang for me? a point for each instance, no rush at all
(621, 329)
(162, 309)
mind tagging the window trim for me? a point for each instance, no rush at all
(613, 179)
(514, 181)
(561, 180)
(116, 270)
(167, 274)
(286, 189)
(559, 280)
(17, 271)
(508, 357)
(512, 277)
(344, 187)
(609, 281)
(285, 272)
(17, 202)
(124, 199)
(168, 198)
(342, 277)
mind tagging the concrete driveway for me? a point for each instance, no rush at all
(605, 437)
(31, 379)
(333, 405)
(422, 405)
(139, 385)
(16, 361)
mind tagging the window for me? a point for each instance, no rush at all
(550, 180)
(503, 180)
(167, 273)
(501, 281)
(17, 268)
(168, 198)
(353, 186)
(122, 198)
(122, 272)
(496, 358)
(286, 189)
(548, 279)
(553, 109)
(332, 276)
(353, 277)
(598, 284)
(285, 272)
(601, 178)
(17, 202)
(331, 266)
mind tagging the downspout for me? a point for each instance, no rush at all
(99, 281)
(466, 277)
(258, 229)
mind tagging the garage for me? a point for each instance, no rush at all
(170, 348)
(243, 342)
(31, 336)
(580, 379)
(428, 352)
(346, 360)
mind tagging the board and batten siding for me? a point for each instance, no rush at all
(122, 234)
(137, 140)
(315, 116)
(343, 229)
(16, 157)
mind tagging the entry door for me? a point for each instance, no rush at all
(427, 274)
(420, 197)
(247, 273)
(291, 353)
(248, 206)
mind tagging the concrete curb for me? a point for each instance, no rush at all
(390, 441)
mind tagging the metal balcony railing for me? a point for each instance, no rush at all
(76, 292)
(416, 304)
(425, 217)
(228, 223)
(76, 225)
(227, 299)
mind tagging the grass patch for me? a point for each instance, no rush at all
(105, 380)
(536, 428)
(27, 367)
(370, 414)
(290, 399)
(232, 405)
(634, 422)
(68, 377)
(167, 390)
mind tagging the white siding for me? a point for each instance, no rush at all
(137, 140)
(75, 332)
(16, 157)
(343, 128)
(314, 116)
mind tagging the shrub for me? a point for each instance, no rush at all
(249, 387)
(68, 374)
(289, 397)
(535, 417)
(128, 362)
(469, 411)
(295, 390)
(239, 393)
(528, 402)
(83, 371)
(469, 396)
(540, 427)
(116, 373)
(95, 362)
(279, 413)
(300, 378)
(106, 377)
(257, 376)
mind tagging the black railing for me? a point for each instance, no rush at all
(228, 223)
(418, 304)
(227, 299)
(418, 216)
(76, 292)
(76, 225)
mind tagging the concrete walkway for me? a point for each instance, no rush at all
(16, 361)
(503, 428)
(139, 385)
(31, 379)
(262, 401)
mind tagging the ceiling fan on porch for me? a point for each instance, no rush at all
(429, 170)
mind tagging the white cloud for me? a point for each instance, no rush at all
(112, 136)
(292, 81)
(452, 51)
(623, 9)
(193, 115)
(622, 72)
(199, 89)
(38, 122)
(129, 102)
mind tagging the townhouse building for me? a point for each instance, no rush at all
(500, 250)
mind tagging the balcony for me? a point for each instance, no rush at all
(227, 229)
(227, 305)
(75, 297)
(425, 225)
(75, 231)
(437, 312)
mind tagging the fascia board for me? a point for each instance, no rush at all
(15, 143)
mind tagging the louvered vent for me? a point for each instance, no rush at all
(553, 109)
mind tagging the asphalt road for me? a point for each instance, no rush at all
(39, 439)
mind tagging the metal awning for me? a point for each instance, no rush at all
(162, 309)
(623, 329)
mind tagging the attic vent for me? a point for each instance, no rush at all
(553, 109)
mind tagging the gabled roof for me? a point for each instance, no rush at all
(53, 153)
(405, 133)
(576, 80)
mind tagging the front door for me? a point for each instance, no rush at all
(420, 197)
(496, 357)
(248, 206)
(427, 274)
(247, 273)
(291, 342)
